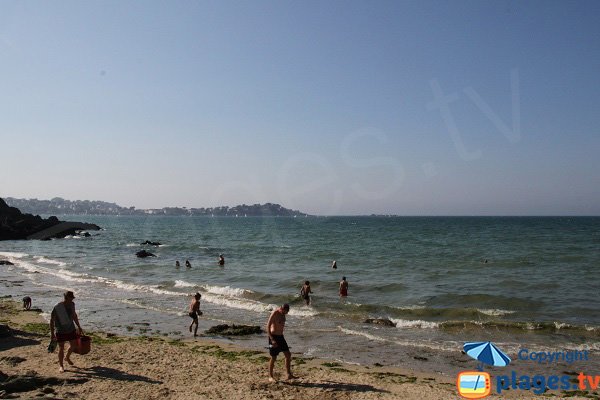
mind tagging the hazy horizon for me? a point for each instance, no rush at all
(335, 108)
(315, 215)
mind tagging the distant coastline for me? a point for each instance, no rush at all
(60, 206)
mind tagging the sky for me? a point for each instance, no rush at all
(328, 107)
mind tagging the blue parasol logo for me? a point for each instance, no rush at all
(486, 353)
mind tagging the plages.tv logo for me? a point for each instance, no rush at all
(477, 384)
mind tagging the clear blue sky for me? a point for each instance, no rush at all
(335, 107)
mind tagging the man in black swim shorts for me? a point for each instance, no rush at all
(277, 343)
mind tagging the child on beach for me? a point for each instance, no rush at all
(195, 312)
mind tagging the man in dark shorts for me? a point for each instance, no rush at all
(64, 318)
(305, 292)
(277, 343)
(195, 312)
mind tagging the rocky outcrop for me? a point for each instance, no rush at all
(233, 330)
(144, 254)
(380, 321)
(151, 243)
(14, 225)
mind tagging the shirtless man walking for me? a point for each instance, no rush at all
(277, 343)
(195, 312)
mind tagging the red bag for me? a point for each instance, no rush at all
(82, 345)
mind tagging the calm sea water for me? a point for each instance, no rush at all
(441, 281)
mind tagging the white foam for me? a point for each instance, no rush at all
(364, 334)
(12, 254)
(303, 312)
(413, 307)
(50, 261)
(310, 352)
(560, 325)
(227, 291)
(139, 288)
(403, 323)
(179, 283)
(243, 304)
(495, 312)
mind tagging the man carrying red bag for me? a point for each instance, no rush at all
(64, 318)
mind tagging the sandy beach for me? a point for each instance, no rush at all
(158, 368)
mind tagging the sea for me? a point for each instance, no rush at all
(440, 281)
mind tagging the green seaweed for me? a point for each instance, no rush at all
(226, 355)
(331, 364)
(396, 378)
(347, 371)
(37, 328)
(100, 340)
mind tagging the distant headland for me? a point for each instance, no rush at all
(59, 206)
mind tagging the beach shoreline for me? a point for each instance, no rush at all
(156, 367)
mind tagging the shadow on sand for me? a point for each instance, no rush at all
(337, 386)
(111, 373)
(16, 338)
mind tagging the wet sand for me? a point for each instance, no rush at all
(143, 367)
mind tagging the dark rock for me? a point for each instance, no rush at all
(144, 254)
(4, 262)
(151, 243)
(380, 321)
(234, 330)
(15, 225)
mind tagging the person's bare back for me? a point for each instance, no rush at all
(276, 322)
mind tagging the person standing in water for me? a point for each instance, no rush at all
(343, 287)
(277, 343)
(63, 319)
(195, 312)
(221, 259)
(334, 265)
(188, 264)
(305, 292)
